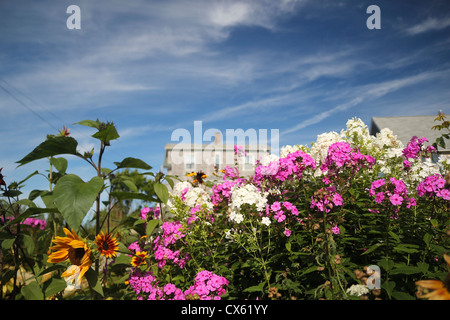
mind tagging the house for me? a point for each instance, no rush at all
(406, 127)
(181, 159)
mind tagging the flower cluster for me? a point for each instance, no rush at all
(245, 195)
(222, 192)
(32, 222)
(391, 192)
(154, 213)
(433, 186)
(200, 213)
(288, 168)
(279, 211)
(341, 156)
(172, 232)
(416, 148)
(326, 199)
(230, 173)
(239, 150)
(207, 286)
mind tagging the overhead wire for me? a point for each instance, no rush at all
(14, 96)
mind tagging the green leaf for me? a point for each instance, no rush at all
(27, 213)
(51, 147)
(441, 143)
(407, 248)
(73, 197)
(389, 287)
(28, 243)
(119, 195)
(7, 243)
(122, 259)
(258, 288)
(132, 163)
(28, 177)
(54, 286)
(397, 295)
(406, 270)
(151, 225)
(94, 283)
(427, 238)
(386, 264)
(32, 291)
(107, 134)
(52, 268)
(47, 198)
(372, 248)
(89, 123)
(60, 164)
(130, 185)
(395, 236)
(423, 267)
(161, 191)
(26, 202)
(12, 193)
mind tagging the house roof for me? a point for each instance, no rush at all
(408, 126)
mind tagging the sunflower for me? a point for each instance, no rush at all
(139, 258)
(440, 290)
(76, 250)
(107, 245)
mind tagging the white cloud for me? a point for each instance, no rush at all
(360, 94)
(429, 25)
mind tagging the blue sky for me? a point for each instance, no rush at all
(302, 66)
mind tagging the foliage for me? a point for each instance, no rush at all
(354, 216)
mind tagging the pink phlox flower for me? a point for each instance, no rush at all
(396, 199)
(335, 230)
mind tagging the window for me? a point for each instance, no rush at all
(217, 161)
(249, 162)
(189, 161)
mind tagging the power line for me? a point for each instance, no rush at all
(33, 101)
(27, 107)
(39, 104)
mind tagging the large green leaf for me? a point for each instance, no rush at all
(161, 191)
(132, 163)
(32, 291)
(73, 197)
(51, 147)
(151, 225)
(93, 281)
(60, 164)
(54, 286)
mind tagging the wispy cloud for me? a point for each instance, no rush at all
(429, 24)
(365, 93)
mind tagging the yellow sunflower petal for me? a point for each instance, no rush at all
(439, 294)
(430, 284)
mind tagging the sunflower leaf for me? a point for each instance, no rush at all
(73, 197)
(51, 147)
(32, 291)
(94, 283)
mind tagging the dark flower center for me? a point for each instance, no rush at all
(76, 255)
